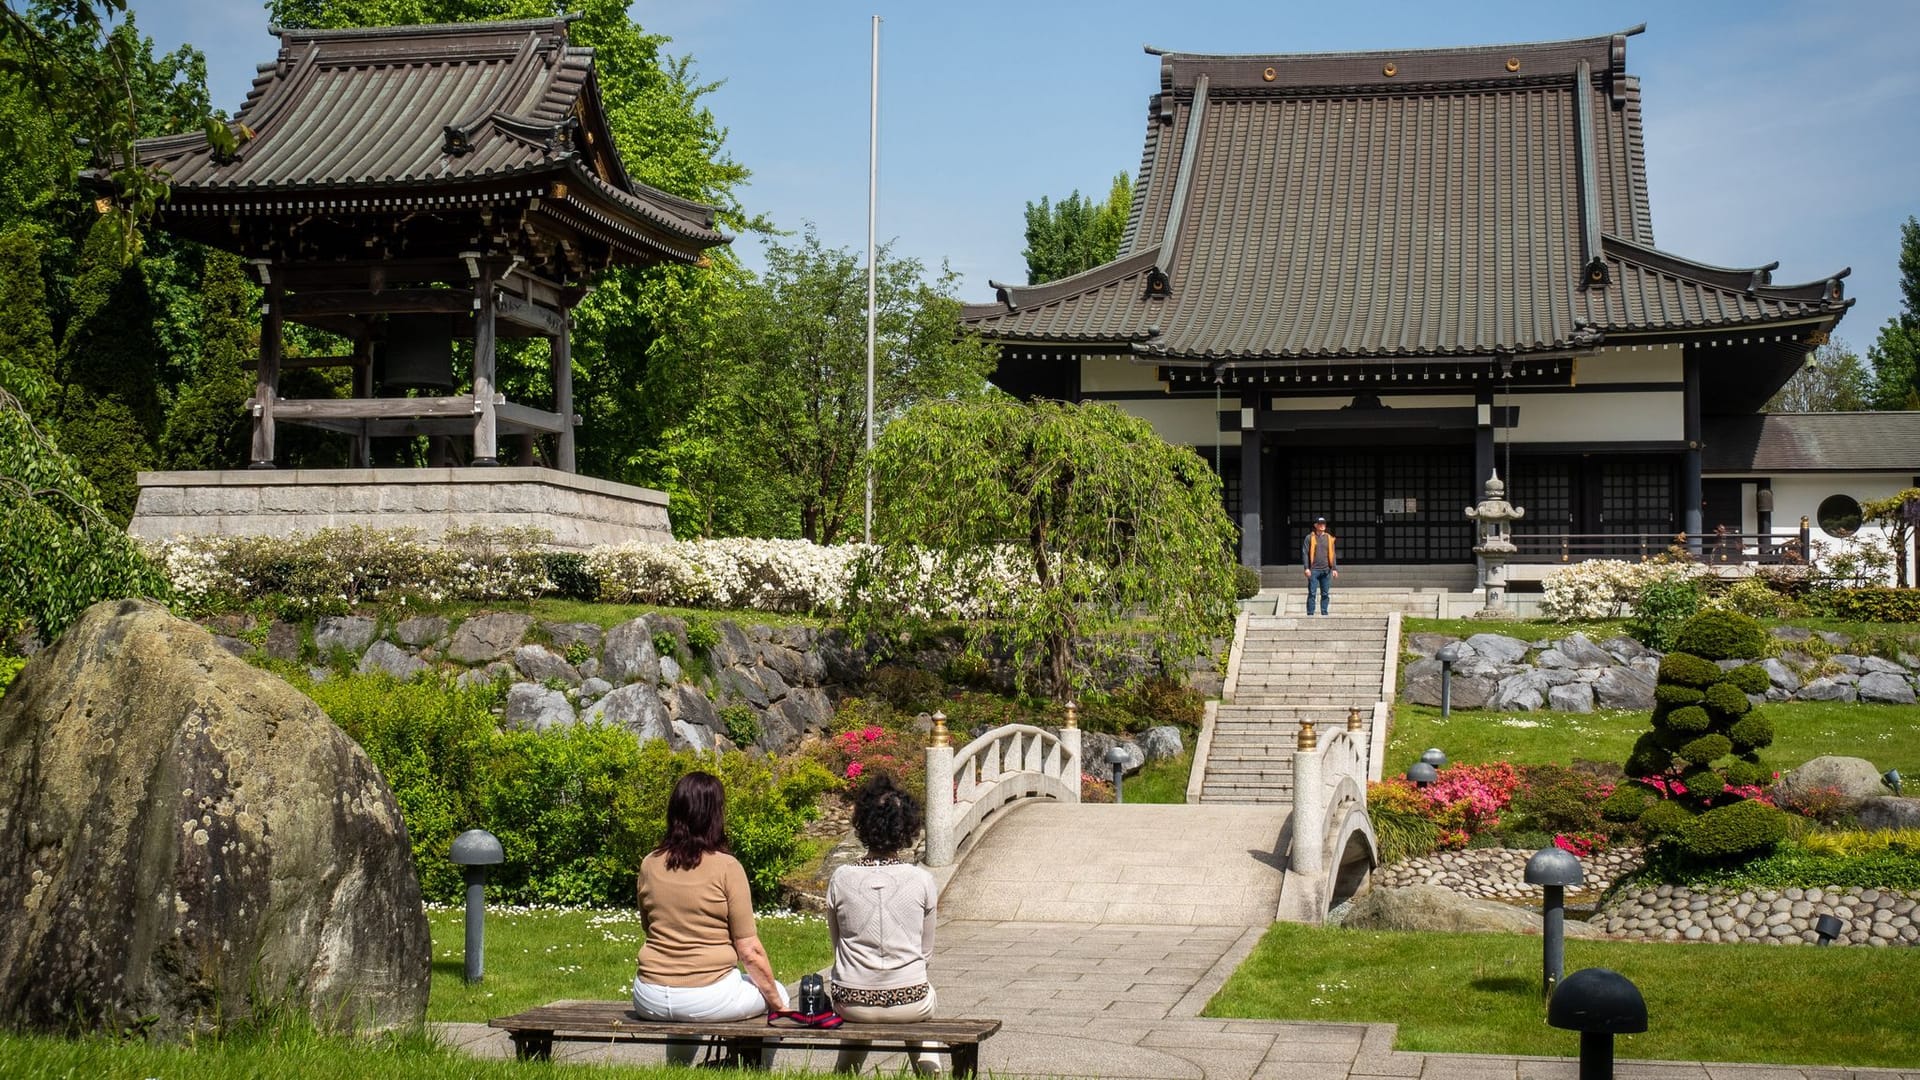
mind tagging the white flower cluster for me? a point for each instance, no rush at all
(333, 568)
(1605, 588)
(984, 584)
(742, 572)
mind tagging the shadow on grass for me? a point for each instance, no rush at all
(1516, 985)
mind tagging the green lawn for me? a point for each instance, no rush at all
(542, 955)
(1163, 781)
(1887, 735)
(1523, 629)
(1480, 993)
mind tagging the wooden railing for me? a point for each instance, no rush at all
(1716, 548)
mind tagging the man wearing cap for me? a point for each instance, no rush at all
(1322, 565)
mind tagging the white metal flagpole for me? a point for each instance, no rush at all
(873, 185)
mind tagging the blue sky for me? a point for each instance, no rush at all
(1774, 130)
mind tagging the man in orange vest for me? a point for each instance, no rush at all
(1322, 565)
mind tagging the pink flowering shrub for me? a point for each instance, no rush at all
(1095, 790)
(1580, 844)
(860, 751)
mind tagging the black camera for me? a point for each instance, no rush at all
(813, 996)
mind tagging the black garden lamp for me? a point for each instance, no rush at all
(1422, 773)
(1555, 869)
(1435, 757)
(1117, 761)
(1828, 927)
(1598, 1004)
(1449, 654)
(1892, 779)
(476, 851)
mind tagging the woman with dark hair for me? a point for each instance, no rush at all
(880, 912)
(698, 915)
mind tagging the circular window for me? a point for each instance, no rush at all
(1840, 515)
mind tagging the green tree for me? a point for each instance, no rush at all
(790, 400)
(1103, 519)
(1076, 233)
(208, 427)
(1833, 380)
(58, 552)
(1891, 512)
(109, 411)
(1896, 355)
(26, 333)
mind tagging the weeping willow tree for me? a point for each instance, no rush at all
(1079, 530)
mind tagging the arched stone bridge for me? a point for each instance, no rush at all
(1275, 825)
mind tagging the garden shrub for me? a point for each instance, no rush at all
(1853, 843)
(1706, 749)
(1108, 715)
(1753, 596)
(1792, 864)
(1753, 732)
(851, 755)
(1750, 678)
(1664, 604)
(1722, 635)
(1677, 695)
(1689, 720)
(906, 688)
(741, 726)
(1162, 700)
(1650, 755)
(1402, 834)
(1726, 700)
(1741, 828)
(1665, 818)
(1466, 801)
(1826, 805)
(574, 807)
(1557, 800)
(9, 669)
(1686, 669)
(1606, 588)
(570, 576)
(1874, 604)
(1745, 774)
(1246, 582)
(1627, 803)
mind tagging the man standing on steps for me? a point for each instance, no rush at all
(1322, 565)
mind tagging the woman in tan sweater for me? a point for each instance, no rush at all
(702, 959)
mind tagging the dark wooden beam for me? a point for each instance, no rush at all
(530, 315)
(454, 405)
(391, 302)
(266, 381)
(519, 418)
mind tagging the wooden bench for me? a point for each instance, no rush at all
(535, 1031)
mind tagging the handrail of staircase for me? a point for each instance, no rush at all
(1009, 763)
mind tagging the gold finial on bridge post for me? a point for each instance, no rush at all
(1354, 723)
(1308, 740)
(1073, 713)
(941, 737)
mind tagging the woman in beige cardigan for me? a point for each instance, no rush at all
(880, 912)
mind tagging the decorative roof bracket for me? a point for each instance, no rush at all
(1594, 271)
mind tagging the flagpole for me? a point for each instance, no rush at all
(873, 185)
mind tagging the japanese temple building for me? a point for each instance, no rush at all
(423, 192)
(1362, 282)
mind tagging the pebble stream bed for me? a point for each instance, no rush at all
(1871, 917)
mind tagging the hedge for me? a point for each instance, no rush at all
(1875, 605)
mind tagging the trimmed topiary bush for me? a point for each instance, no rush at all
(1706, 749)
(1677, 695)
(1726, 700)
(1745, 774)
(1627, 803)
(1750, 678)
(1722, 635)
(1665, 818)
(1687, 721)
(1753, 732)
(1685, 669)
(1747, 827)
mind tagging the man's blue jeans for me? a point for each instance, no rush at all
(1321, 580)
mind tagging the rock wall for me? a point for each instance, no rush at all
(1576, 674)
(1500, 873)
(1773, 917)
(185, 838)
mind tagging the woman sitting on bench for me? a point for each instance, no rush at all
(880, 912)
(702, 960)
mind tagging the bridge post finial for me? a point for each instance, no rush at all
(941, 736)
(1073, 713)
(1308, 739)
(1354, 723)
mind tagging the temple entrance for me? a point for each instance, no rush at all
(1397, 505)
(1578, 495)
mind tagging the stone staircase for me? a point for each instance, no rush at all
(1290, 669)
(1371, 602)
(1449, 577)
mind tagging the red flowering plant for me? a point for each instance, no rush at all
(1095, 790)
(1463, 803)
(858, 748)
(1580, 844)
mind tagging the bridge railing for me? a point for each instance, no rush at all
(1009, 763)
(1331, 847)
(1718, 548)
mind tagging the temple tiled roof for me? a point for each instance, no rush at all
(1431, 203)
(365, 113)
(1813, 442)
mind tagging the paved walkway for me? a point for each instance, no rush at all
(1082, 993)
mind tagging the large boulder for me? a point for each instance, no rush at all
(1826, 689)
(530, 705)
(1624, 688)
(1580, 649)
(628, 654)
(1525, 691)
(186, 840)
(488, 637)
(1885, 688)
(1431, 907)
(1889, 813)
(1571, 697)
(392, 659)
(636, 707)
(1780, 675)
(1093, 754)
(1498, 648)
(1856, 778)
(1162, 742)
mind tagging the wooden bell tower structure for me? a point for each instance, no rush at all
(424, 192)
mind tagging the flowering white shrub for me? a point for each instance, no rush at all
(740, 572)
(1606, 588)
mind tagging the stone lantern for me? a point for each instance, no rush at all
(1494, 514)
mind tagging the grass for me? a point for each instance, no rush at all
(1480, 993)
(1887, 735)
(610, 615)
(1162, 781)
(541, 955)
(1523, 629)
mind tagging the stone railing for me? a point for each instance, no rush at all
(1009, 763)
(1332, 848)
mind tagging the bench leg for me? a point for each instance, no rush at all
(966, 1059)
(532, 1045)
(749, 1053)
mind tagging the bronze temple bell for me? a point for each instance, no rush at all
(417, 353)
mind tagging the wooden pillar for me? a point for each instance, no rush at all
(1690, 494)
(563, 392)
(486, 439)
(1250, 485)
(363, 390)
(266, 380)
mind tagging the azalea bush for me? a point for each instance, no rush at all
(1610, 588)
(868, 737)
(741, 572)
(1498, 803)
(1464, 802)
